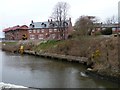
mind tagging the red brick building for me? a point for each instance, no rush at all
(115, 27)
(50, 30)
(16, 32)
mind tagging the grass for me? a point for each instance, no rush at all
(10, 43)
(9, 46)
(75, 46)
(47, 45)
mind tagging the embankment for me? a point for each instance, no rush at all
(100, 54)
(69, 58)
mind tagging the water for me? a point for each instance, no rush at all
(31, 71)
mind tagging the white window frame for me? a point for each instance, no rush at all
(55, 30)
(30, 31)
(38, 30)
(50, 30)
(34, 31)
(41, 36)
(42, 30)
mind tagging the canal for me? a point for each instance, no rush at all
(39, 72)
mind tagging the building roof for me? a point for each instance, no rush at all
(48, 24)
(15, 28)
(39, 25)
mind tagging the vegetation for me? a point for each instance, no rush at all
(24, 37)
(44, 46)
(10, 46)
(10, 43)
(85, 24)
(107, 31)
(100, 51)
(60, 14)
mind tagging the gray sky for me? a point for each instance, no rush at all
(20, 12)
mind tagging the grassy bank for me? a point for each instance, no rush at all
(105, 61)
(10, 46)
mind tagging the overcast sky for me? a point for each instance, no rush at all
(19, 12)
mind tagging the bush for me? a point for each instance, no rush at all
(107, 31)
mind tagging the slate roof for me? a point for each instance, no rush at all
(39, 25)
(53, 24)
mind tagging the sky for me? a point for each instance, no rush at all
(21, 12)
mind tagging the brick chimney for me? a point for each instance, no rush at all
(32, 21)
(70, 19)
(48, 20)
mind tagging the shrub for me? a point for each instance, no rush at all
(98, 33)
(107, 31)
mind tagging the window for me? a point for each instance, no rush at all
(42, 30)
(32, 37)
(38, 30)
(53, 36)
(50, 30)
(34, 31)
(55, 30)
(41, 36)
(30, 31)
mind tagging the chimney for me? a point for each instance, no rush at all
(51, 20)
(70, 19)
(32, 21)
(48, 20)
(45, 25)
(17, 25)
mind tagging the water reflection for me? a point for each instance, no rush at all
(38, 72)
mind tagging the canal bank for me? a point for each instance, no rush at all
(34, 71)
(87, 53)
(82, 60)
(73, 59)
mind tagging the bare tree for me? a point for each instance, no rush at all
(111, 20)
(60, 14)
(85, 24)
(60, 11)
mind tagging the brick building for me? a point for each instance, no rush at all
(16, 32)
(50, 30)
(115, 27)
